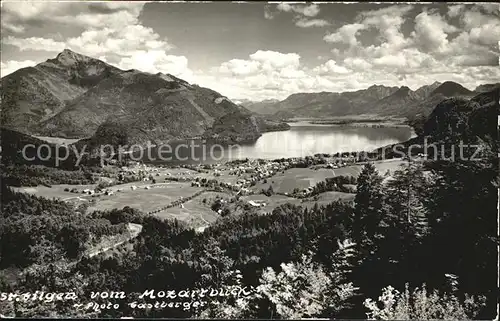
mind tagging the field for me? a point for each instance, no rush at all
(381, 166)
(195, 212)
(148, 197)
(304, 177)
(56, 191)
(276, 200)
(294, 178)
(146, 200)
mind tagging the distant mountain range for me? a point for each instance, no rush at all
(377, 100)
(456, 121)
(259, 107)
(73, 95)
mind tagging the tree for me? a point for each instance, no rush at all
(269, 191)
(406, 223)
(422, 305)
(304, 289)
(369, 208)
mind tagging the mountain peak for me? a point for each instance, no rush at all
(68, 57)
(450, 88)
(402, 92)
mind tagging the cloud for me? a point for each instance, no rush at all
(357, 64)
(388, 22)
(17, 17)
(268, 14)
(346, 34)
(155, 61)
(113, 33)
(271, 60)
(239, 67)
(304, 13)
(10, 66)
(431, 32)
(268, 74)
(408, 45)
(308, 11)
(118, 42)
(34, 43)
(432, 42)
(308, 23)
(455, 10)
(331, 67)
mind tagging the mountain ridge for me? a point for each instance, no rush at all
(154, 107)
(375, 100)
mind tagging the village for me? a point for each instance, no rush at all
(201, 193)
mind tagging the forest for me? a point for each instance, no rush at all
(421, 231)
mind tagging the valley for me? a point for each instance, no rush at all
(316, 178)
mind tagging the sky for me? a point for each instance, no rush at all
(260, 51)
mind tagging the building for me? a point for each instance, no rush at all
(256, 204)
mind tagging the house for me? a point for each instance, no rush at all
(88, 191)
(256, 204)
(133, 187)
(182, 205)
(108, 192)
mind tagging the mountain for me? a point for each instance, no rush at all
(450, 89)
(395, 103)
(73, 95)
(156, 106)
(263, 107)
(470, 120)
(453, 122)
(376, 100)
(425, 91)
(32, 94)
(331, 104)
(441, 92)
(486, 87)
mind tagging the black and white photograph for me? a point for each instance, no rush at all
(249, 160)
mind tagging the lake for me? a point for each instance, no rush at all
(301, 140)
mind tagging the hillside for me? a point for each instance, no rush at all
(458, 119)
(72, 95)
(425, 91)
(376, 100)
(331, 104)
(263, 107)
(32, 94)
(486, 87)
(158, 106)
(14, 153)
(395, 103)
(450, 89)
